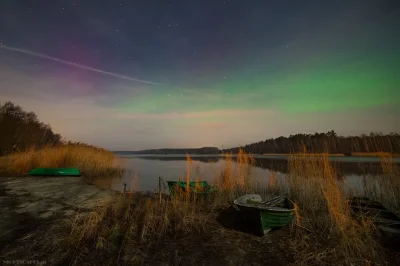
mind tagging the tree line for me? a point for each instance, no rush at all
(328, 142)
(21, 130)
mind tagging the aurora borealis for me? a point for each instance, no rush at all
(216, 72)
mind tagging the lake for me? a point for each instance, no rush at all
(144, 170)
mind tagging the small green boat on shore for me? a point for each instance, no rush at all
(55, 172)
(200, 189)
(275, 213)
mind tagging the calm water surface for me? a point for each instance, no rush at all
(144, 170)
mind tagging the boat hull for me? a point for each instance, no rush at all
(391, 231)
(55, 172)
(275, 213)
(266, 220)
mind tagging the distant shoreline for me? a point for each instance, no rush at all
(354, 154)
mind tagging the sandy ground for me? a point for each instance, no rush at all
(30, 203)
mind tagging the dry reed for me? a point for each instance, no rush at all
(324, 211)
(90, 160)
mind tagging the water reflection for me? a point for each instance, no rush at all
(343, 165)
(144, 170)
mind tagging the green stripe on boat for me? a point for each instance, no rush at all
(55, 172)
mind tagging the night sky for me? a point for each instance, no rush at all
(132, 75)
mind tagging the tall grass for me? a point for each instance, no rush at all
(386, 187)
(143, 228)
(324, 211)
(133, 228)
(90, 160)
(233, 183)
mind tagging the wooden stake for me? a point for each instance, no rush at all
(159, 188)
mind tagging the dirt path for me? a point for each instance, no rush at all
(31, 204)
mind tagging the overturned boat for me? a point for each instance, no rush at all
(55, 172)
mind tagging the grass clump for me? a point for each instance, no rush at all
(327, 232)
(91, 161)
(135, 230)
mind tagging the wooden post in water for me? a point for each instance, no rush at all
(159, 188)
(124, 188)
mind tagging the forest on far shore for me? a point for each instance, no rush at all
(21, 130)
(328, 142)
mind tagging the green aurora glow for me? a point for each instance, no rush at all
(321, 87)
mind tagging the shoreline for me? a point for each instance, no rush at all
(354, 154)
(48, 218)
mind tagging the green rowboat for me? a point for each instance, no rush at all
(200, 189)
(275, 213)
(55, 172)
